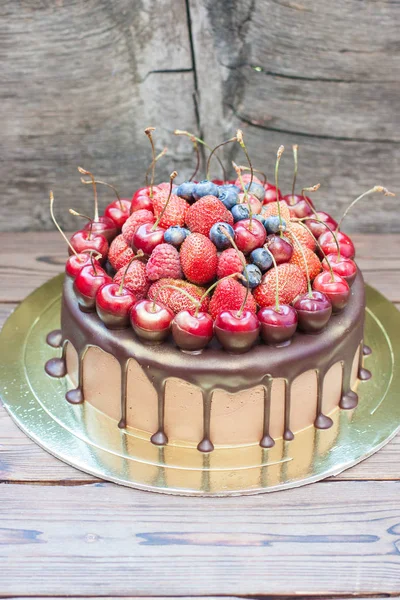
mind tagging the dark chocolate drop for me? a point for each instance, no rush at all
(288, 435)
(205, 445)
(267, 442)
(364, 374)
(75, 396)
(367, 350)
(54, 338)
(159, 438)
(323, 422)
(56, 367)
(349, 400)
(122, 424)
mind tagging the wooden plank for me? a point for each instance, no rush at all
(81, 81)
(312, 87)
(338, 539)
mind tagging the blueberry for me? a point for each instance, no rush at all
(175, 235)
(219, 238)
(254, 276)
(256, 189)
(228, 197)
(261, 258)
(240, 212)
(272, 224)
(230, 186)
(260, 218)
(205, 188)
(185, 190)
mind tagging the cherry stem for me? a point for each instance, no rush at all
(148, 131)
(57, 225)
(203, 143)
(96, 203)
(92, 263)
(239, 137)
(197, 150)
(233, 139)
(263, 175)
(300, 247)
(376, 188)
(294, 148)
(139, 254)
(245, 192)
(242, 260)
(231, 276)
(109, 186)
(196, 302)
(278, 158)
(319, 246)
(157, 158)
(160, 216)
(277, 305)
(76, 214)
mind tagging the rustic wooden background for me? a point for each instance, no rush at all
(82, 78)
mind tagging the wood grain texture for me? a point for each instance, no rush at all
(339, 539)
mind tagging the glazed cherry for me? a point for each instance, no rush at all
(313, 312)
(86, 285)
(118, 211)
(192, 332)
(345, 267)
(85, 240)
(105, 226)
(280, 248)
(317, 228)
(338, 290)
(277, 324)
(141, 199)
(151, 321)
(76, 262)
(113, 305)
(236, 332)
(249, 235)
(147, 237)
(270, 193)
(327, 243)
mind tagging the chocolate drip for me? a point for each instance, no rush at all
(366, 350)
(54, 338)
(206, 444)
(267, 441)
(362, 374)
(321, 421)
(76, 396)
(56, 367)
(124, 398)
(287, 432)
(160, 438)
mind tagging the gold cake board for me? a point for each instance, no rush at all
(90, 441)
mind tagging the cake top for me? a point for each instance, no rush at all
(234, 259)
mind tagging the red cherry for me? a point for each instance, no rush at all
(249, 236)
(147, 237)
(192, 332)
(280, 248)
(338, 290)
(254, 202)
(151, 321)
(270, 193)
(118, 211)
(236, 333)
(277, 324)
(104, 225)
(113, 305)
(76, 262)
(313, 313)
(299, 207)
(327, 243)
(345, 267)
(84, 240)
(317, 228)
(141, 199)
(86, 284)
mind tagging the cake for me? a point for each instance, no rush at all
(213, 313)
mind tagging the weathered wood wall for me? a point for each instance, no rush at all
(82, 78)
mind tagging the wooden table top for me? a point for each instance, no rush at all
(64, 533)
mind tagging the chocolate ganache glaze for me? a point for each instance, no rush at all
(216, 369)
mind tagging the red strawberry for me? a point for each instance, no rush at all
(199, 258)
(140, 217)
(229, 295)
(313, 262)
(229, 263)
(120, 253)
(174, 299)
(302, 234)
(204, 213)
(271, 210)
(164, 262)
(135, 280)
(291, 280)
(175, 212)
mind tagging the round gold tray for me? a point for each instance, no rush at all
(89, 440)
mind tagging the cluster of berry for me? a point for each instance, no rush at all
(273, 263)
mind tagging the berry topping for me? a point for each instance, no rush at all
(205, 188)
(204, 213)
(249, 235)
(292, 282)
(140, 217)
(176, 235)
(176, 300)
(313, 262)
(262, 258)
(218, 237)
(229, 295)
(175, 211)
(120, 253)
(164, 262)
(229, 262)
(135, 279)
(199, 258)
